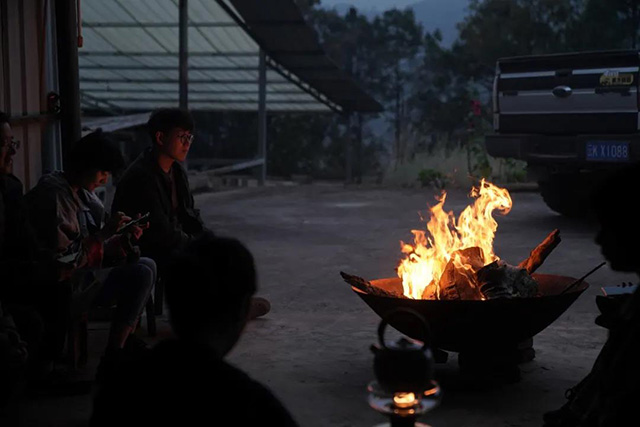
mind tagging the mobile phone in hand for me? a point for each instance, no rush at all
(143, 219)
(68, 259)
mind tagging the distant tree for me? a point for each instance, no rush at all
(441, 98)
(399, 38)
(350, 41)
(296, 143)
(606, 24)
(502, 28)
(628, 12)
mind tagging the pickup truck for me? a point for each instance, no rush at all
(572, 117)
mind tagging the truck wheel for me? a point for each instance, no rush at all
(566, 194)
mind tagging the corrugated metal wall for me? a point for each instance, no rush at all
(22, 80)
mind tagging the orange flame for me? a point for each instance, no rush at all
(427, 258)
(404, 400)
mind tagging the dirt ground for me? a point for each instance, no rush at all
(312, 350)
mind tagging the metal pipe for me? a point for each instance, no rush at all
(113, 102)
(170, 54)
(29, 117)
(348, 155)
(173, 81)
(67, 44)
(262, 117)
(165, 68)
(238, 166)
(158, 25)
(206, 92)
(184, 54)
(51, 139)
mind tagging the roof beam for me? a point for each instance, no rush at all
(165, 68)
(261, 23)
(170, 54)
(283, 109)
(173, 81)
(100, 104)
(304, 86)
(295, 80)
(191, 91)
(192, 68)
(114, 101)
(157, 24)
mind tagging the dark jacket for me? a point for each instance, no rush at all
(12, 247)
(144, 188)
(22, 266)
(10, 213)
(184, 384)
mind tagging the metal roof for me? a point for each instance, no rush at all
(112, 124)
(129, 61)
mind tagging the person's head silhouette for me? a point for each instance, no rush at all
(615, 206)
(209, 286)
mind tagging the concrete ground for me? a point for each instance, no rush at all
(312, 350)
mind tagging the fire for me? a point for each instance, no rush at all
(427, 258)
(404, 400)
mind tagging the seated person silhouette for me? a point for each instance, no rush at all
(607, 395)
(95, 258)
(25, 296)
(186, 381)
(157, 183)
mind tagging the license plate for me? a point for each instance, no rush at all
(608, 151)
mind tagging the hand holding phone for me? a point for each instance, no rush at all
(138, 221)
(68, 259)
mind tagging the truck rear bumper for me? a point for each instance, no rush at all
(556, 149)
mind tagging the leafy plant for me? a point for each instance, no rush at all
(478, 159)
(432, 177)
(514, 171)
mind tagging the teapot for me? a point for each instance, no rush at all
(405, 365)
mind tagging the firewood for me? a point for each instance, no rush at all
(431, 291)
(367, 287)
(459, 283)
(501, 280)
(541, 252)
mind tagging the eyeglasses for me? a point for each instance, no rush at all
(13, 144)
(186, 138)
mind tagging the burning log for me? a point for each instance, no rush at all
(541, 252)
(458, 281)
(501, 280)
(431, 291)
(366, 286)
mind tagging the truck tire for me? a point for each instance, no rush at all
(566, 194)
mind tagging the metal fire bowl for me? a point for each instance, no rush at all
(458, 325)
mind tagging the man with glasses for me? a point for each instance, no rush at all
(13, 241)
(20, 271)
(10, 186)
(157, 183)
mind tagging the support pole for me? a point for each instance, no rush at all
(184, 53)
(262, 117)
(348, 155)
(69, 84)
